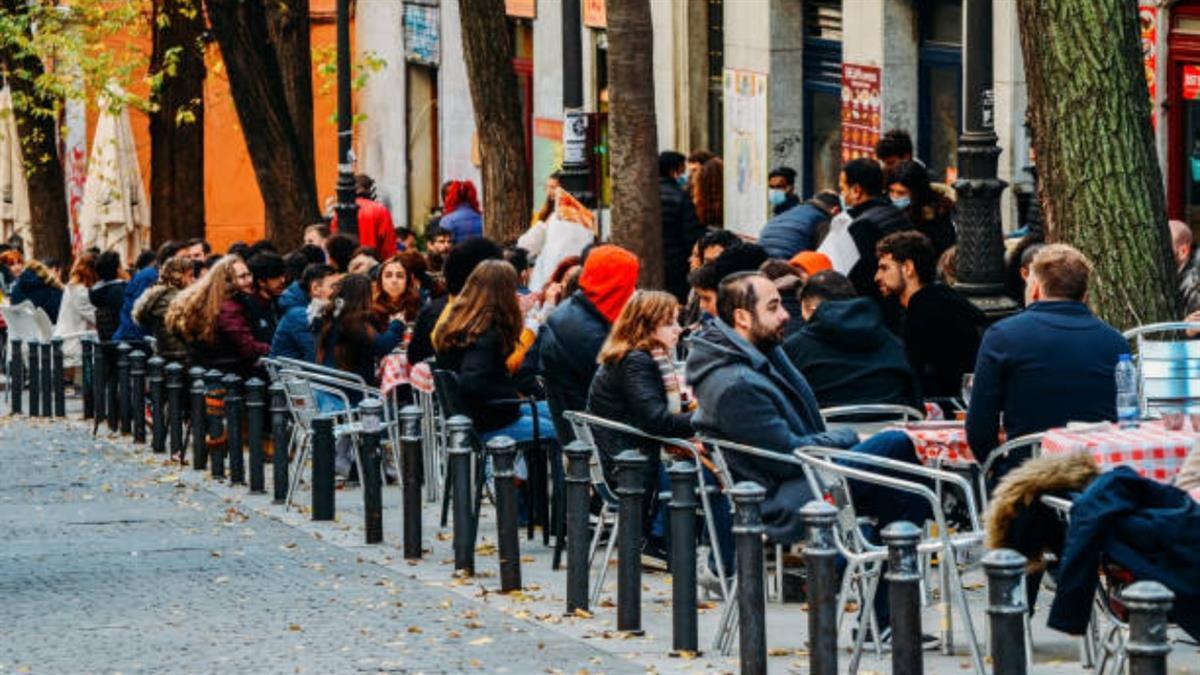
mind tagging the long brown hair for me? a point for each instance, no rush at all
(707, 193)
(350, 314)
(384, 306)
(193, 313)
(635, 325)
(489, 299)
(83, 272)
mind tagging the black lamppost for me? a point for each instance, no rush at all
(575, 168)
(347, 208)
(980, 257)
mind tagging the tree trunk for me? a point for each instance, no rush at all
(285, 177)
(1101, 185)
(288, 26)
(177, 126)
(636, 205)
(39, 145)
(488, 53)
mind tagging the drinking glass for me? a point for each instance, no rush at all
(968, 382)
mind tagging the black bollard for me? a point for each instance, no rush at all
(88, 350)
(124, 400)
(47, 379)
(372, 469)
(631, 465)
(751, 599)
(578, 499)
(503, 451)
(137, 395)
(255, 391)
(99, 386)
(279, 443)
(459, 450)
(233, 429)
(57, 377)
(322, 469)
(1148, 603)
(685, 632)
(111, 391)
(820, 561)
(35, 379)
(173, 374)
(410, 478)
(1006, 610)
(156, 384)
(199, 419)
(214, 398)
(16, 375)
(904, 586)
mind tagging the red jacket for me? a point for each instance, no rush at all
(375, 228)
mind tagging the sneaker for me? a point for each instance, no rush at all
(655, 555)
(928, 642)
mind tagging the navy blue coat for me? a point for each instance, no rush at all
(1049, 365)
(1150, 529)
(32, 287)
(792, 231)
(294, 337)
(129, 330)
(565, 354)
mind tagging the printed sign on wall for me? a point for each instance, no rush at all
(861, 110)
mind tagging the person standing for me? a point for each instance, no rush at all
(680, 228)
(375, 228)
(929, 212)
(462, 219)
(708, 194)
(76, 314)
(781, 190)
(871, 218)
(108, 294)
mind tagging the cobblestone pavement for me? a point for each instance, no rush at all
(107, 565)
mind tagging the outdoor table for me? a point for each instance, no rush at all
(940, 443)
(1150, 448)
(420, 377)
(394, 371)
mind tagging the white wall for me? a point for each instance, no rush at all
(662, 16)
(883, 33)
(382, 137)
(456, 115)
(1009, 78)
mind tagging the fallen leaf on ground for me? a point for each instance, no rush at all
(481, 641)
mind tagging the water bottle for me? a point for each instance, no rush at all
(1127, 392)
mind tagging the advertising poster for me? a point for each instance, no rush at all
(861, 110)
(1191, 82)
(745, 205)
(595, 14)
(1148, 22)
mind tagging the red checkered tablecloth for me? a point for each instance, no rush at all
(1150, 449)
(393, 372)
(421, 377)
(941, 442)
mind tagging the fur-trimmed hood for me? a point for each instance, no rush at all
(1016, 519)
(153, 301)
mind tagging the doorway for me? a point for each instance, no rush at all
(421, 121)
(1183, 119)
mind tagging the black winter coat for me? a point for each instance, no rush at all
(941, 336)
(680, 230)
(420, 347)
(872, 220)
(484, 379)
(632, 392)
(566, 351)
(107, 297)
(33, 285)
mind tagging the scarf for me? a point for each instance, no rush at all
(666, 365)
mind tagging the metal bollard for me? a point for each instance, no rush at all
(137, 395)
(173, 374)
(372, 469)
(156, 381)
(1148, 603)
(410, 478)
(820, 560)
(57, 376)
(255, 408)
(459, 450)
(87, 348)
(503, 451)
(751, 598)
(1005, 570)
(16, 375)
(111, 398)
(99, 386)
(630, 467)
(685, 630)
(322, 469)
(279, 443)
(215, 422)
(199, 420)
(124, 400)
(35, 379)
(904, 586)
(47, 379)
(233, 429)
(578, 499)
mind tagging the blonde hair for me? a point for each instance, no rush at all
(636, 324)
(193, 313)
(1062, 271)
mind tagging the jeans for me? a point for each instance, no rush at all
(521, 430)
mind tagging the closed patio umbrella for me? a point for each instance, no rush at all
(14, 192)
(115, 214)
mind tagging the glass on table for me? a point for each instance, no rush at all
(968, 383)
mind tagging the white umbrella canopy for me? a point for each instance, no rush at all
(115, 214)
(14, 191)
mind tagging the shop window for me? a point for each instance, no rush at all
(822, 95)
(940, 83)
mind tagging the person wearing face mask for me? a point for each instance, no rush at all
(781, 189)
(929, 212)
(871, 218)
(680, 227)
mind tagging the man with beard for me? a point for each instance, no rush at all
(750, 393)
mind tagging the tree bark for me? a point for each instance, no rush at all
(289, 28)
(636, 205)
(1101, 185)
(39, 144)
(285, 178)
(488, 52)
(176, 140)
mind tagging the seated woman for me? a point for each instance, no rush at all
(482, 328)
(150, 310)
(394, 293)
(347, 338)
(210, 318)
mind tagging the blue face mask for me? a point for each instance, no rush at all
(776, 196)
(682, 180)
(842, 202)
(902, 202)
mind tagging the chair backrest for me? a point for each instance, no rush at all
(873, 412)
(581, 424)
(1168, 367)
(301, 399)
(447, 393)
(43, 324)
(21, 324)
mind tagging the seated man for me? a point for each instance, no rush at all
(845, 351)
(1049, 365)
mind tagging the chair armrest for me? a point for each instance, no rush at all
(1004, 450)
(307, 367)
